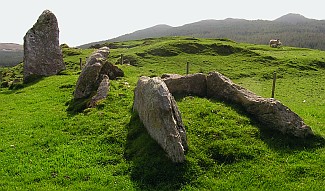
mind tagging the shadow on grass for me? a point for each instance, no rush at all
(76, 106)
(280, 142)
(16, 88)
(277, 140)
(151, 169)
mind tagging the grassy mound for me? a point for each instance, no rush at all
(45, 147)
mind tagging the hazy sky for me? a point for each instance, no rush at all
(84, 21)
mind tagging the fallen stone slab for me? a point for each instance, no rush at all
(159, 113)
(193, 84)
(268, 111)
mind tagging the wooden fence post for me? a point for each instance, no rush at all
(187, 68)
(80, 63)
(122, 59)
(273, 86)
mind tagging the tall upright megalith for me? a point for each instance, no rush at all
(42, 52)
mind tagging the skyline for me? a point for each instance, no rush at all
(83, 22)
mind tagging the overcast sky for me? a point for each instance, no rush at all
(84, 21)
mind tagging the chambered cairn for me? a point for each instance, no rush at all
(42, 52)
(268, 111)
(158, 111)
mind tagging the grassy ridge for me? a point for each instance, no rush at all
(44, 147)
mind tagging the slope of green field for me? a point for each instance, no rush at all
(45, 147)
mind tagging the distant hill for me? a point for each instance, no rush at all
(10, 47)
(293, 18)
(11, 54)
(155, 31)
(292, 29)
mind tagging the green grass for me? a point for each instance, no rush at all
(45, 147)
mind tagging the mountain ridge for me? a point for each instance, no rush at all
(293, 29)
(293, 18)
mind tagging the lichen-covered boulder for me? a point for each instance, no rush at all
(90, 76)
(159, 113)
(102, 91)
(42, 52)
(112, 71)
(268, 111)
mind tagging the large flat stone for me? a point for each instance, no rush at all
(158, 111)
(193, 84)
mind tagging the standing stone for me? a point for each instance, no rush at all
(158, 111)
(42, 52)
(269, 111)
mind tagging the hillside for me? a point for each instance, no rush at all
(10, 54)
(155, 31)
(45, 147)
(292, 29)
